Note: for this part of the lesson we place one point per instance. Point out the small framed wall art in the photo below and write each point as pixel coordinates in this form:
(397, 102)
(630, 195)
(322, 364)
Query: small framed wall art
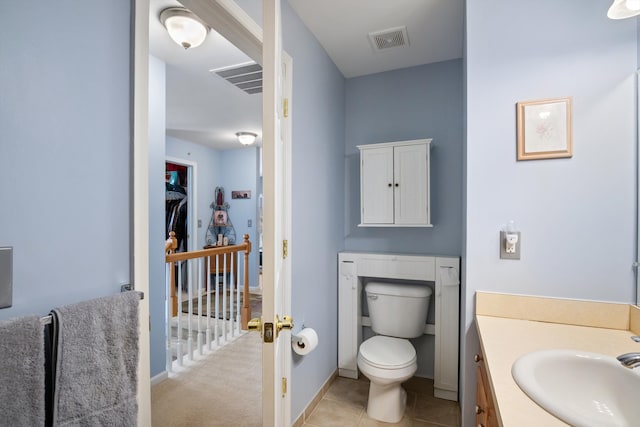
(544, 129)
(241, 194)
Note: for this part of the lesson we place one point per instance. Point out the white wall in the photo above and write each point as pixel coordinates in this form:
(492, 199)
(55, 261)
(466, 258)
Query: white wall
(577, 215)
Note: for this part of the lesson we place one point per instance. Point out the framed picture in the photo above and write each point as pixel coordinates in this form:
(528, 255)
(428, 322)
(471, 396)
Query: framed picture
(241, 194)
(544, 129)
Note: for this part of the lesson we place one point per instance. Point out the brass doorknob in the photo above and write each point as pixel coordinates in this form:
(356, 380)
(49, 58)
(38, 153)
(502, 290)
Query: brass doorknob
(286, 323)
(255, 324)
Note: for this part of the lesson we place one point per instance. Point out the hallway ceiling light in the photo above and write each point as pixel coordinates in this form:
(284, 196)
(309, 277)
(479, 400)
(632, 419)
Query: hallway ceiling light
(184, 27)
(246, 138)
(621, 9)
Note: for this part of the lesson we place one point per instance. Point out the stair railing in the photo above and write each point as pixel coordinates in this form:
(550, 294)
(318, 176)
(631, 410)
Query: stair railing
(213, 277)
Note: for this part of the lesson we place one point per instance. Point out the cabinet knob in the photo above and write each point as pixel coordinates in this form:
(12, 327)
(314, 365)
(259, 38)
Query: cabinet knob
(479, 410)
(389, 184)
(480, 425)
(477, 358)
(397, 184)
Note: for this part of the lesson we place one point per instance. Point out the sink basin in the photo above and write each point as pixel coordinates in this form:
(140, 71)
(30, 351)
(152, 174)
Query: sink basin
(581, 388)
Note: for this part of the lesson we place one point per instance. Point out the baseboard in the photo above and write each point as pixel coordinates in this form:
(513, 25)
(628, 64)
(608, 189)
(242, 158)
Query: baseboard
(157, 379)
(306, 413)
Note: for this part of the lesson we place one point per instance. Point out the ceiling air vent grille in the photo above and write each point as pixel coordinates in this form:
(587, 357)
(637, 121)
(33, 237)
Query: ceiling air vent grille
(247, 77)
(391, 37)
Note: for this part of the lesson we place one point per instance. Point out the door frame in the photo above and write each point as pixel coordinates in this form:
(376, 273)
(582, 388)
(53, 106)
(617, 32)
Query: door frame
(192, 202)
(140, 197)
(232, 22)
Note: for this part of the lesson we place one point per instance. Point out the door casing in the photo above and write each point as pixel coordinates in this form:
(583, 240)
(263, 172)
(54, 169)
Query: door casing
(235, 25)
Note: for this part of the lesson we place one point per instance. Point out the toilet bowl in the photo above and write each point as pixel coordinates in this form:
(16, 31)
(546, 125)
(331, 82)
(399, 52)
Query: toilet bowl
(397, 312)
(387, 362)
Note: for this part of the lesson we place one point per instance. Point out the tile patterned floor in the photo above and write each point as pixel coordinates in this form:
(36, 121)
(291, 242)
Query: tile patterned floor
(345, 405)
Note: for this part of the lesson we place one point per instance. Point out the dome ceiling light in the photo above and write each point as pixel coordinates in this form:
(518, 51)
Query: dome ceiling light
(184, 27)
(621, 9)
(246, 138)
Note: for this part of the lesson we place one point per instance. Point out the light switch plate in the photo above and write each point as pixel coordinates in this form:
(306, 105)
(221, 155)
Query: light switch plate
(503, 252)
(6, 277)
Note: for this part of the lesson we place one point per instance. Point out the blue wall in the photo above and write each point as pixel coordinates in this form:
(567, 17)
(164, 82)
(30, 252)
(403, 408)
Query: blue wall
(157, 278)
(65, 150)
(240, 172)
(577, 216)
(411, 103)
(318, 115)
(209, 170)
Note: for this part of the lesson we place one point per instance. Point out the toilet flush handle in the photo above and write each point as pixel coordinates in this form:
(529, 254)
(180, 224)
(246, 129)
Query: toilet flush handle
(373, 296)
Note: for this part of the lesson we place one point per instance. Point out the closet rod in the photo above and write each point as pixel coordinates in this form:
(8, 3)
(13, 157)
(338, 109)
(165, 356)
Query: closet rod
(46, 320)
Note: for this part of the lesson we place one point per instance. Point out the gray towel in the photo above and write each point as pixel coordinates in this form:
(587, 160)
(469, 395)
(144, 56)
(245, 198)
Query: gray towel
(22, 372)
(97, 361)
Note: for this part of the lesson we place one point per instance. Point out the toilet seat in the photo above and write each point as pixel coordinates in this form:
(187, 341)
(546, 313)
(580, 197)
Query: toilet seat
(384, 352)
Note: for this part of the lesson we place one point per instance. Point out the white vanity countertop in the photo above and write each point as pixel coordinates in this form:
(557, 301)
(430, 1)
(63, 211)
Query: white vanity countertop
(510, 326)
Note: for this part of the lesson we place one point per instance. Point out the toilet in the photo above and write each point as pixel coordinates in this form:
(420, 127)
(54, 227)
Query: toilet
(397, 312)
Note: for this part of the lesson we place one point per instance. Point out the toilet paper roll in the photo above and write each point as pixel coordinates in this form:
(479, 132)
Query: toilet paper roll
(305, 341)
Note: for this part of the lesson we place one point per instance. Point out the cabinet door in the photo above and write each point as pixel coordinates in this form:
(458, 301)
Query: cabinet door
(411, 184)
(376, 185)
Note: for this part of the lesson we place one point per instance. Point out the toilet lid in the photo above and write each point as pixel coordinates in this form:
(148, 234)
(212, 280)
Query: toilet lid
(388, 352)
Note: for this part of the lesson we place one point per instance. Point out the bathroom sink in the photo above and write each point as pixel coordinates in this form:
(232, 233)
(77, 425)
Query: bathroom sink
(580, 388)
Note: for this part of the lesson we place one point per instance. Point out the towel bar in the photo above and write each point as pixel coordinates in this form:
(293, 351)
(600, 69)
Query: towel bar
(46, 320)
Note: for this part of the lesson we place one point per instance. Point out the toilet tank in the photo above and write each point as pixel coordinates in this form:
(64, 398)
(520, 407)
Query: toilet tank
(398, 310)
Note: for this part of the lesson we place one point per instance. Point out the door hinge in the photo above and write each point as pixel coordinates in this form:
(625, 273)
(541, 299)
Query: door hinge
(285, 249)
(284, 386)
(285, 107)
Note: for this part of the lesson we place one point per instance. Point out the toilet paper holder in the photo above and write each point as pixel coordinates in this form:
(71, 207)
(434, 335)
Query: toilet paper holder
(304, 341)
(294, 335)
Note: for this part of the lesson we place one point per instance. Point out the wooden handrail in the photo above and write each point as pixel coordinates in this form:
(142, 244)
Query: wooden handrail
(202, 253)
(171, 258)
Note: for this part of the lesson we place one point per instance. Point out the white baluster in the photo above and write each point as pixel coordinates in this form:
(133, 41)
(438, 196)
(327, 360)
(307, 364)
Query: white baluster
(208, 275)
(199, 263)
(190, 310)
(217, 304)
(224, 297)
(231, 298)
(238, 287)
(179, 304)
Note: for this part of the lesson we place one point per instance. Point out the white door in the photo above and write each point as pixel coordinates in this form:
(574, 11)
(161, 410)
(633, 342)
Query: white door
(376, 185)
(411, 180)
(237, 27)
(276, 160)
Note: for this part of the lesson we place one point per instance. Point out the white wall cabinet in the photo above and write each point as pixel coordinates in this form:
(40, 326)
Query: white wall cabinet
(394, 184)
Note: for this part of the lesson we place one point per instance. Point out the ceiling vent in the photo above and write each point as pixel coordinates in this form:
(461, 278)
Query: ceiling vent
(247, 76)
(391, 37)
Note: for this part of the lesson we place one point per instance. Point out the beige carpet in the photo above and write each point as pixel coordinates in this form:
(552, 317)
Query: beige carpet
(223, 389)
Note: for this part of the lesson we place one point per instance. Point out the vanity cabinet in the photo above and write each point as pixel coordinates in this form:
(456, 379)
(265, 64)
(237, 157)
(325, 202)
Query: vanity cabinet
(485, 409)
(394, 184)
